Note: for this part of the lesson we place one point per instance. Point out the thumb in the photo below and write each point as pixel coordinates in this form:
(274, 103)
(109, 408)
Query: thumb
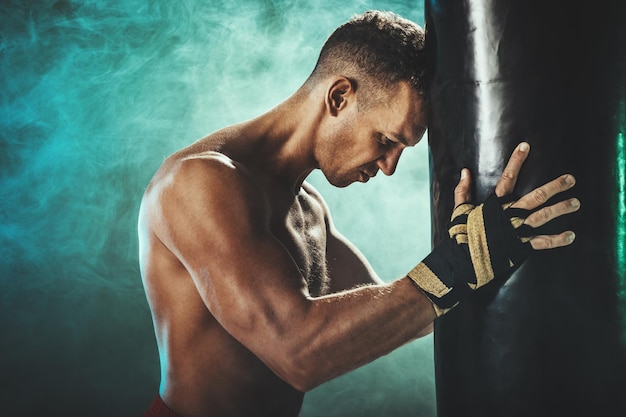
(462, 190)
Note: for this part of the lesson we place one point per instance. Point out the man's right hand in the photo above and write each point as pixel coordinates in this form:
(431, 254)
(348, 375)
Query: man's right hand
(493, 238)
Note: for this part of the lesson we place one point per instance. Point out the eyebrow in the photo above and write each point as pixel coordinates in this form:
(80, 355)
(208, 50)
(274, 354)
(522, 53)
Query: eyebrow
(400, 138)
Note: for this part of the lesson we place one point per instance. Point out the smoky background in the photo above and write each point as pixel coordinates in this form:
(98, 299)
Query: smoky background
(94, 95)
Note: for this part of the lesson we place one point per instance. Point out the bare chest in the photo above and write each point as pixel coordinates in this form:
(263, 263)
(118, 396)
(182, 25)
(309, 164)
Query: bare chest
(301, 228)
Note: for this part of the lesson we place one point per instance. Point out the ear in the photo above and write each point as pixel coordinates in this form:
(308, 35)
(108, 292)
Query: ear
(340, 94)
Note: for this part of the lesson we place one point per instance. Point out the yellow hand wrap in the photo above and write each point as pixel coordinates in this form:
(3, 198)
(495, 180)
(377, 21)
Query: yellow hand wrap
(484, 242)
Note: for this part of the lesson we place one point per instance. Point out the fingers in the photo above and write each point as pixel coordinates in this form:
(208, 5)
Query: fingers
(549, 213)
(542, 194)
(508, 179)
(552, 241)
(546, 214)
(462, 190)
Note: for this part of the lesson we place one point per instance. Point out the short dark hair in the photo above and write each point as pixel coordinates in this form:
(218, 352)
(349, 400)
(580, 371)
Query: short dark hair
(379, 47)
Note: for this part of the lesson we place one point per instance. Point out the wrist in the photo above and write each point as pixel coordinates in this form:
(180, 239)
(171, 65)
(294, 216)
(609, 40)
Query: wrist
(443, 275)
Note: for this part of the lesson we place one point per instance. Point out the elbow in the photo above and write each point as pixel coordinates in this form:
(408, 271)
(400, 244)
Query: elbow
(301, 378)
(295, 352)
(301, 373)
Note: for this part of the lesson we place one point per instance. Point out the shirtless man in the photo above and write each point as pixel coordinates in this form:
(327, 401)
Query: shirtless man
(256, 298)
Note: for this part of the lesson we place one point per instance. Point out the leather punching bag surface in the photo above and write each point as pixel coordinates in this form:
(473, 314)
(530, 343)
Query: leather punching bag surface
(549, 341)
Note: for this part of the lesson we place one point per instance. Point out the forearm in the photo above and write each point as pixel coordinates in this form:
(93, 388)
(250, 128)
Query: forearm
(340, 332)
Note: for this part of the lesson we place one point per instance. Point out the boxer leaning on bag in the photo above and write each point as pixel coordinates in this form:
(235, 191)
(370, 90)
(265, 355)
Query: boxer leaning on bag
(256, 297)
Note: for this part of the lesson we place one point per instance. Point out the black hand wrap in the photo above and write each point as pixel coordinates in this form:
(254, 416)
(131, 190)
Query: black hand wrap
(485, 242)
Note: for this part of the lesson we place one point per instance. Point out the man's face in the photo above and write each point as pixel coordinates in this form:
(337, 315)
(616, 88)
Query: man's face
(364, 142)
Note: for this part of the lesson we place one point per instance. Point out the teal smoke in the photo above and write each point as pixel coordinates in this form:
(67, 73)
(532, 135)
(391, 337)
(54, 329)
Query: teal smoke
(93, 95)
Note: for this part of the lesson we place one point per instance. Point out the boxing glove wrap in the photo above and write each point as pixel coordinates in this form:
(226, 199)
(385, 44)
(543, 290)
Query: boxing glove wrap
(485, 242)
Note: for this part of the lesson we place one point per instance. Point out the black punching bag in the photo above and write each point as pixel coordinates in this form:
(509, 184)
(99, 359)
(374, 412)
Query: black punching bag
(549, 341)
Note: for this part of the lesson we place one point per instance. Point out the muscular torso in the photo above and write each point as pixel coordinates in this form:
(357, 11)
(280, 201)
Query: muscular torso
(205, 370)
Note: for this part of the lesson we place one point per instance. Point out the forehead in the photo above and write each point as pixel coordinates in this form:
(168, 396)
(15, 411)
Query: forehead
(405, 113)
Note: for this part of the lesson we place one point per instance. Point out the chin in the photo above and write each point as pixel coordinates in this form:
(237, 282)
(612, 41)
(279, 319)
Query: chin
(341, 182)
(338, 181)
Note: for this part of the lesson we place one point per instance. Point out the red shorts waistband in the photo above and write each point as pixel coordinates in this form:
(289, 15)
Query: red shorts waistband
(159, 409)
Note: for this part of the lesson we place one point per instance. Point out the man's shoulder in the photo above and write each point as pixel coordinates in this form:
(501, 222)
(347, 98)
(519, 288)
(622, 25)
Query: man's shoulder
(209, 171)
(205, 179)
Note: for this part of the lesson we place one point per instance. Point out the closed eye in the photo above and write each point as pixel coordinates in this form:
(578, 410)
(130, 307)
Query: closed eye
(385, 140)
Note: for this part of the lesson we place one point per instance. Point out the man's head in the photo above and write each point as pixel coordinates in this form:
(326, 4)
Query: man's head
(371, 72)
(375, 50)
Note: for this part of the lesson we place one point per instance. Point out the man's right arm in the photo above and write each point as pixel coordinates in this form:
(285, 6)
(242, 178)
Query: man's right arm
(216, 222)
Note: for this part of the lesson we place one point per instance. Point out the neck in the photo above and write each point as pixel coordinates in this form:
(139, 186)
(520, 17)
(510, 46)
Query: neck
(281, 142)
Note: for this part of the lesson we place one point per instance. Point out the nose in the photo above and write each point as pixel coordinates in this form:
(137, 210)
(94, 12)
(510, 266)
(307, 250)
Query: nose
(389, 160)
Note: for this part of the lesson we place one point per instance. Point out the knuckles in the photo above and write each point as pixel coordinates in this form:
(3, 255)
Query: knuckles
(545, 214)
(542, 242)
(508, 175)
(540, 196)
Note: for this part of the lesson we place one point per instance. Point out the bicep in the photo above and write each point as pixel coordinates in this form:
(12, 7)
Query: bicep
(219, 229)
(250, 284)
